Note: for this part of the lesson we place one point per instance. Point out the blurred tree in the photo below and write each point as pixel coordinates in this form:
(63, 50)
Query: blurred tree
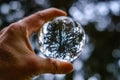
(102, 29)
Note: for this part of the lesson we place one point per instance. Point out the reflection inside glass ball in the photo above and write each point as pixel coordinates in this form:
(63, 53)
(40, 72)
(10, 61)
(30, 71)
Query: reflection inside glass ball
(61, 38)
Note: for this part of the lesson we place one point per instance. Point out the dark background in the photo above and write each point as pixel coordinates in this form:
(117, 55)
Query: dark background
(101, 21)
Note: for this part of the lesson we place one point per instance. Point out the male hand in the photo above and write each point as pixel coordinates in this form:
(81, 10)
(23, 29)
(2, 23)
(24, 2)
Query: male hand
(18, 60)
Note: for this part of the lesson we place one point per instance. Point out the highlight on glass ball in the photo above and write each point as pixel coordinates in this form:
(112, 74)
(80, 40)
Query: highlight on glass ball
(62, 38)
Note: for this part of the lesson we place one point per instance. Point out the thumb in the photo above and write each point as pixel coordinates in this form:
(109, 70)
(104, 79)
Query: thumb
(34, 22)
(48, 65)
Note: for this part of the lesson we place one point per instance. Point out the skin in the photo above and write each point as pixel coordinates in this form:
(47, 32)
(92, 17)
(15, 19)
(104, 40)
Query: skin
(18, 61)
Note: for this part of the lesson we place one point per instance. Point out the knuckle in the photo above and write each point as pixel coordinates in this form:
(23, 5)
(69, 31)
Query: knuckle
(54, 66)
(40, 15)
(12, 28)
(3, 30)
(15, 28)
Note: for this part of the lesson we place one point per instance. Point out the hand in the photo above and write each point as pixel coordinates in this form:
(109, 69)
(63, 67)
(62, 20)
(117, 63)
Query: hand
(18, 61)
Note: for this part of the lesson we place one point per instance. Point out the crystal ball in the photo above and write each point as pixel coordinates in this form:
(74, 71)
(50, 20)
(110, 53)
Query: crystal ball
(61, 38)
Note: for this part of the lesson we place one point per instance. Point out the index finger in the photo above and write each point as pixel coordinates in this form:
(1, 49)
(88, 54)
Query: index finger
(34, 22)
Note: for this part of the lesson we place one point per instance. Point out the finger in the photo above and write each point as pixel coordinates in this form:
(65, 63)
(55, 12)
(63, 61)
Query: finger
(34, 22)
(3, 30)
(42, 65)
(56, 66)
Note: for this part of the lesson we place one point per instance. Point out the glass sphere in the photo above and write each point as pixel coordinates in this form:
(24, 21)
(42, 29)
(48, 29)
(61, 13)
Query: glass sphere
(61, 38)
